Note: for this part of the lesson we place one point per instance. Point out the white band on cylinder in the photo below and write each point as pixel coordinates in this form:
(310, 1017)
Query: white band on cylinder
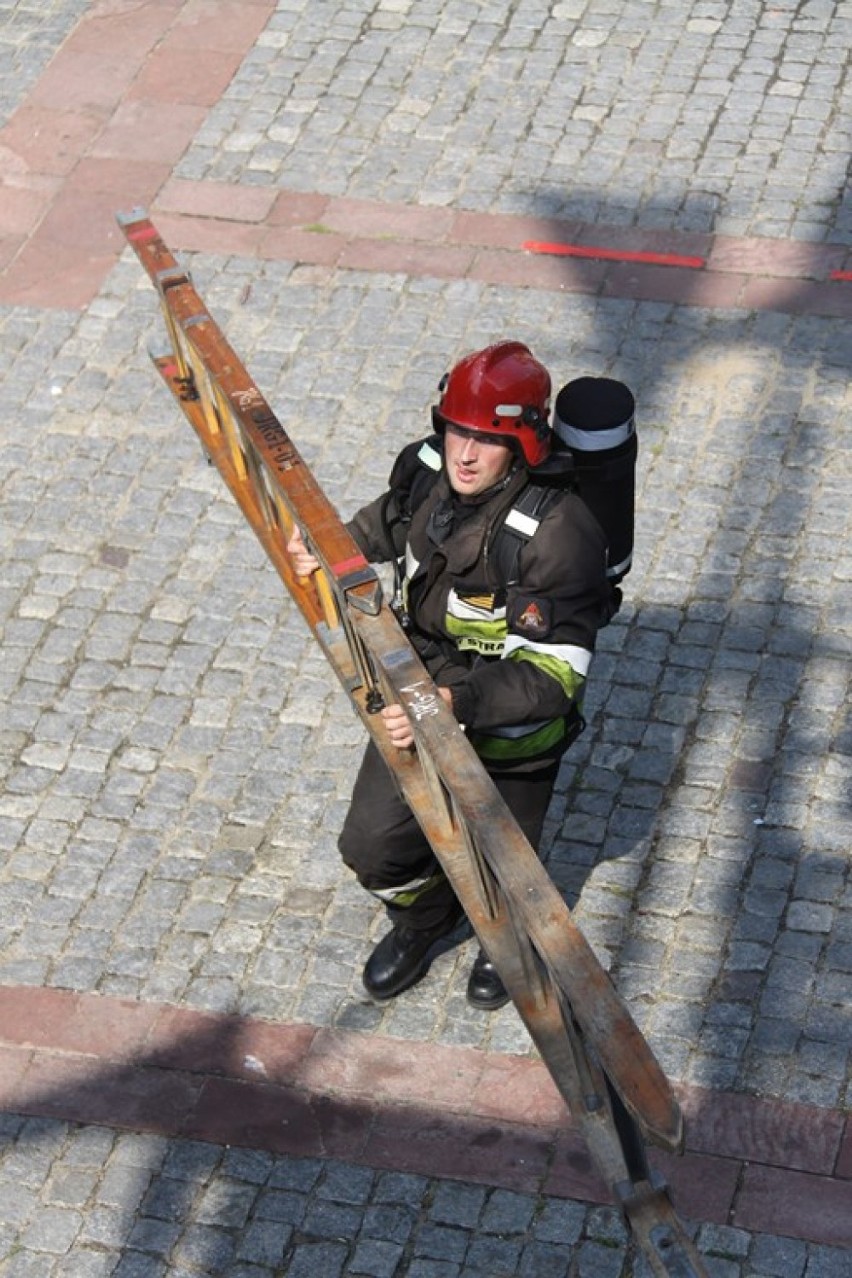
(593, 441)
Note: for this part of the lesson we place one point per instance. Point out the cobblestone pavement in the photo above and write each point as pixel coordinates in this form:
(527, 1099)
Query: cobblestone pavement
(699, 116)
(85, 1202)
(180, 762)
(30, 33)
(177, 763)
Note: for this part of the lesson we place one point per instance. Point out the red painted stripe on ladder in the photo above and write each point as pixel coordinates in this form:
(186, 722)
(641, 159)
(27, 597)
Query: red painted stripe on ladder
(348, 565)
(146, 232)
(840, 275)
(614, 255)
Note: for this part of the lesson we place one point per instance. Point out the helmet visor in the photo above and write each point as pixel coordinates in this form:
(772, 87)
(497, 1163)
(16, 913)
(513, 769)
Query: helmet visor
(440, 424)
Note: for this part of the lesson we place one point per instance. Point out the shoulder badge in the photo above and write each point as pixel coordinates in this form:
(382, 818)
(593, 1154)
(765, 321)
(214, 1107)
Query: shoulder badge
(532, 617)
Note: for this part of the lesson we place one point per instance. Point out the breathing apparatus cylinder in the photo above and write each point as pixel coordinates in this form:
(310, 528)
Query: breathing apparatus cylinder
(594, 421)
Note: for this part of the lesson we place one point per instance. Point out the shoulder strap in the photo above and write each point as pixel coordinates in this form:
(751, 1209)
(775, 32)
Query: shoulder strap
(519, 526)
(415, 471)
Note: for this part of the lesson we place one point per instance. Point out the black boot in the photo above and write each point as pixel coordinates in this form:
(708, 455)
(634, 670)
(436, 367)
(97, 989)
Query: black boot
(399, 960)
(484, 987)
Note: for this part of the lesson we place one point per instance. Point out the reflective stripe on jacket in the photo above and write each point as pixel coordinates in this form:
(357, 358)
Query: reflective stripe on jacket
(515, 653)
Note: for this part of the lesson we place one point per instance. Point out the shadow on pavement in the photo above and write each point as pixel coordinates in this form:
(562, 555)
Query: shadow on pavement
(697, 828)
(684, 828)
(187, 1163)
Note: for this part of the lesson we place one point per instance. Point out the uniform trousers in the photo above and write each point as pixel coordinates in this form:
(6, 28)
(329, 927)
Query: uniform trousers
(382, 842)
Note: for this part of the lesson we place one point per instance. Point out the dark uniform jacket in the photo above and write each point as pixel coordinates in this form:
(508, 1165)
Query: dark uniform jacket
(514, 645)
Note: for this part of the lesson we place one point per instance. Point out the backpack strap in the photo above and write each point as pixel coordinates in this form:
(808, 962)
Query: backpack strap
(519, 526)
(414, 473)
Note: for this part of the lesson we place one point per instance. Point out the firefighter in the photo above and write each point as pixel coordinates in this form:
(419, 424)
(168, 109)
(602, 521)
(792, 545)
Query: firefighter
(506, 628)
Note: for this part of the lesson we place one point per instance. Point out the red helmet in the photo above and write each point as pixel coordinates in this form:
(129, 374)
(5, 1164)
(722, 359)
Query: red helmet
(504, 392)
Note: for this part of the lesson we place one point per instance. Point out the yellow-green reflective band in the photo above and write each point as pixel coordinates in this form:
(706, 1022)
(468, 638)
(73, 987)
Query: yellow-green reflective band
(486, 647)
(407, 893)
(579, 658)
(499, 749)
(566, 676)
(489, 632)
(485, 637)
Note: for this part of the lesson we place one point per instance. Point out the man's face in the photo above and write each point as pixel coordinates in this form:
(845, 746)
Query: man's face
(474, 463)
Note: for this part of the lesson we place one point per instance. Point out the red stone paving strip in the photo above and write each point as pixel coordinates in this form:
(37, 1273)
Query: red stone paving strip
(117, 107)
(344, 233)
(103, 126)
(294, 1089)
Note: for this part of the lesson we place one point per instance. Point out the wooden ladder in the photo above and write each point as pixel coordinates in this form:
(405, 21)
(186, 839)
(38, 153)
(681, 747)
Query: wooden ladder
(616, 1092)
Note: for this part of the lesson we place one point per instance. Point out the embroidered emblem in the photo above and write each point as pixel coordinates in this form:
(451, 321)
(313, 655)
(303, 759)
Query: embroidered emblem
(531, 618)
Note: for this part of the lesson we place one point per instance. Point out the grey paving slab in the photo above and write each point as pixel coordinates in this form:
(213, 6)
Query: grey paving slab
(90, 1202)
(31, 31)
(699, 116)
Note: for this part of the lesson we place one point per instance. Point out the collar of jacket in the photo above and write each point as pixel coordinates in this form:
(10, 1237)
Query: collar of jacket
(465, 545)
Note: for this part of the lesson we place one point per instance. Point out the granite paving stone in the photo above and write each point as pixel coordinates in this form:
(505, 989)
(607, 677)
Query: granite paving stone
(688, 82)
(406, 1226)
